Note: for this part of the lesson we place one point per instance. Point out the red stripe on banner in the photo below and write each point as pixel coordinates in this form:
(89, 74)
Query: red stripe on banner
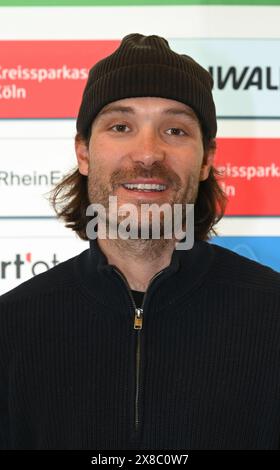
(251, 169)
(45, 79)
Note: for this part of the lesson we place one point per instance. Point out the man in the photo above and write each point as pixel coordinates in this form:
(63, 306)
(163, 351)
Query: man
(135, 344)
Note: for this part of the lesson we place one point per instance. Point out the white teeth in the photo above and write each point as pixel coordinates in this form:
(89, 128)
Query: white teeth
(153, 187)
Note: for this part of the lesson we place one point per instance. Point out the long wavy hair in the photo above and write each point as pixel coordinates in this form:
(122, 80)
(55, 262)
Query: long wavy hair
(70, 200)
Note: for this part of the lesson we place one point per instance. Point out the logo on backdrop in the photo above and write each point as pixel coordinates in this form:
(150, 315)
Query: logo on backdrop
(25, 265)
(245, 71)
(12, 178)
(245, 78)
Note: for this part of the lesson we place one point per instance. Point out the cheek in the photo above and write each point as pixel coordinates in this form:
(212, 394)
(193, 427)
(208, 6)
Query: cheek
(102, 161)
(103, 147)
(188, 164)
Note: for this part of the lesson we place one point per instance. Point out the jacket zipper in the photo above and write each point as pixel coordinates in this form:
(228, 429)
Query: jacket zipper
(138, 324)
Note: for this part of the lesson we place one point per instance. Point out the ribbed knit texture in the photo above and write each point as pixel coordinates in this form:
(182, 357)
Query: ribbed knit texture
(209, 357)
(146, 66)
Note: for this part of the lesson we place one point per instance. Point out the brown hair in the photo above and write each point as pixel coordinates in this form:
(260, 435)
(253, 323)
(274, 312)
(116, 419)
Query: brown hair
(70, 198)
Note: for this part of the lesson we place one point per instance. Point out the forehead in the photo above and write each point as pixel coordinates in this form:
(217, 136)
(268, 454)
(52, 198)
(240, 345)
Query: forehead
(148, 105)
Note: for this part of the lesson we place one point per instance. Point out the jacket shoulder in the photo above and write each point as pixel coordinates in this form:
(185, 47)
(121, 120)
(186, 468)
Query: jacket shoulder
(59, 277)
(239, 270)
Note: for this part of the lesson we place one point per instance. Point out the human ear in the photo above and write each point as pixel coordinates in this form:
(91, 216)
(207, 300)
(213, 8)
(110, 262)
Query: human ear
(82, 154)
(207, 164)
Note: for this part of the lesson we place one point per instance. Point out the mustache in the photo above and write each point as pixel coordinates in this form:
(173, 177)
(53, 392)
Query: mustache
(122, 175)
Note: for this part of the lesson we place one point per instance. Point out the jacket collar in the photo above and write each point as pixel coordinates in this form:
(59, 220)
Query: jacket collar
(186, 271)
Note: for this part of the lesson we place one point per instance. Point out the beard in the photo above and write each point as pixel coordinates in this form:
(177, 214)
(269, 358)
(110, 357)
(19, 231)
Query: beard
(101, 188)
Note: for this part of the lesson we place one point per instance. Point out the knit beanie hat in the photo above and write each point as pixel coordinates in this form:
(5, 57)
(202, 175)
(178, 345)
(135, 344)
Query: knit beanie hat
(146, 66)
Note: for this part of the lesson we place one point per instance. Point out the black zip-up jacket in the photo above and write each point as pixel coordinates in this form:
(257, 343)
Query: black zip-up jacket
(196, 367)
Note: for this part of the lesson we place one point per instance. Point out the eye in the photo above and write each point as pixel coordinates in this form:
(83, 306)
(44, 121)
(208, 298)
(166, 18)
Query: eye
(119, 127)
(176, 129)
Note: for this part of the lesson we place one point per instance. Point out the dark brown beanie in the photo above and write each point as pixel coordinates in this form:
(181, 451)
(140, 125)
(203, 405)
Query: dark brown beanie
(146, 66)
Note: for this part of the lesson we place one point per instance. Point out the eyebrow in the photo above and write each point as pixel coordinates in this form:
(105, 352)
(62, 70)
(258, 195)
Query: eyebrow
(128, 110)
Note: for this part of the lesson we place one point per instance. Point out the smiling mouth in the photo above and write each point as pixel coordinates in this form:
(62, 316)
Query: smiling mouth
(145, 187)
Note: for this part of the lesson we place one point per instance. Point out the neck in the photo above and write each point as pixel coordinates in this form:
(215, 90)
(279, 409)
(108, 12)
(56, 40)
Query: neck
(138, 260)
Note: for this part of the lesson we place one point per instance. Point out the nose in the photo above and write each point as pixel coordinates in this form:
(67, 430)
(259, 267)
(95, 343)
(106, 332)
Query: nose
(148, 147)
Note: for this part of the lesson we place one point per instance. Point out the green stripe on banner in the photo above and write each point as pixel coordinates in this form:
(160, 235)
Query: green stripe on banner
(134, 2)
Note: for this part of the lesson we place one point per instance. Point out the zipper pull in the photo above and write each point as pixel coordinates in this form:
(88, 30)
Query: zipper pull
(138, 319)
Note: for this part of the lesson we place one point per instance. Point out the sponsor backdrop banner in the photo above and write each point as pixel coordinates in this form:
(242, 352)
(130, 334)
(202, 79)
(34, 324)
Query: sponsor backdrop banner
(246, 75)
(43, 69)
